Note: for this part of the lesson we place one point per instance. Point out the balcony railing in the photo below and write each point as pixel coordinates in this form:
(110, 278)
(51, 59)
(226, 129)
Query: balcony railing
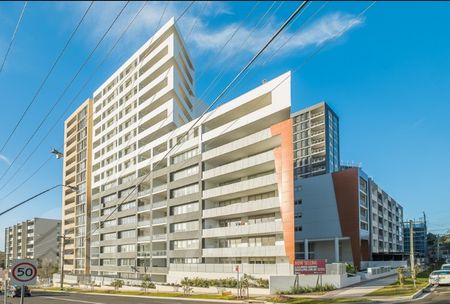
(159, 253)
(162, 220)
(159, 204)
(144, 192)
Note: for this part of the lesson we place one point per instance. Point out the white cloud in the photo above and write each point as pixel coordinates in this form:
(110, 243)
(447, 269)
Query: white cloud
(206, 38)
(5, 159)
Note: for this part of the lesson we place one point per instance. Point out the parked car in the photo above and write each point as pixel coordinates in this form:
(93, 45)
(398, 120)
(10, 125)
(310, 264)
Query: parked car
(445, 267)
(439, 277)
(15, 291)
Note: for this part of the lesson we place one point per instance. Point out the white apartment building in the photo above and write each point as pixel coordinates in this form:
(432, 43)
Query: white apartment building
(33, 239)
(222, 197)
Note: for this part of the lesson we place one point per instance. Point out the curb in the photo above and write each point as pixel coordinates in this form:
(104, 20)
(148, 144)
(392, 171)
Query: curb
(147, 297)
(420, 292)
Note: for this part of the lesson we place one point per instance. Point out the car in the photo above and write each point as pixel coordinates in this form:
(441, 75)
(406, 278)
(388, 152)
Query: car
(14, 291)
(439, 277)
(445, 267)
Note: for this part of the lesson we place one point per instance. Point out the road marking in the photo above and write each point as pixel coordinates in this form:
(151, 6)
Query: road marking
(70, 300)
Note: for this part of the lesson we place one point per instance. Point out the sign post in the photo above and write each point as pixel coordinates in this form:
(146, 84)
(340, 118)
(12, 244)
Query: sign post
(23, 273)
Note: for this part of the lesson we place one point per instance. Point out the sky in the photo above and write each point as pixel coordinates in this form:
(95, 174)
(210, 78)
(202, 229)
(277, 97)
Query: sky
(383, 67)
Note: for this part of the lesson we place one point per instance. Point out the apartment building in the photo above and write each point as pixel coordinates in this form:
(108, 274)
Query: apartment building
(33, 239)
(77, 172)
(345, 216)
(316, 141)
(420, 242)
(221, 197)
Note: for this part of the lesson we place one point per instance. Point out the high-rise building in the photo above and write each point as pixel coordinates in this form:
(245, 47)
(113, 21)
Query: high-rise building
(33, 239)
(316, 141)
(172, 196)
(76, 209)
(345, 216)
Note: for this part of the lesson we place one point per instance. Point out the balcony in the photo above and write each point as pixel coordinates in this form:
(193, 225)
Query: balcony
(247, 207)
(144, 223)
(159, 221)
(279, 268)
(144, 238)
(263, 182)
(159, 253)
(160, 188)
(243, 230)
(159, 205)
(244, 251)
(143, 208)
(145, 192)
(159, 237)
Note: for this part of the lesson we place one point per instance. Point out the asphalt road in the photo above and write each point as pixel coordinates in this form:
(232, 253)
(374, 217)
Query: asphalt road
(441, 295)
(72, 298)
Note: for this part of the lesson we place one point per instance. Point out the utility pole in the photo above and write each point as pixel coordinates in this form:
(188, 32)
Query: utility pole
(438, 247)
(63, 245)
(411, 251)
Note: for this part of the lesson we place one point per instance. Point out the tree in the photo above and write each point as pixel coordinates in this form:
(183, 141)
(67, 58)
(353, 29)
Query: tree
(147, 283)
(187, 289)
(117, 284)
(46, 268)
(401, 276)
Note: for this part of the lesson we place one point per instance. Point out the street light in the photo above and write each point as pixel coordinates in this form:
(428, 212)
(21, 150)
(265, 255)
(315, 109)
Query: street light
(57, 153)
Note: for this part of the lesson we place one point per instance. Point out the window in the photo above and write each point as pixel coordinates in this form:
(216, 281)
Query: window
(298, 202)
(184, 173)
(185, 261)
(230, 243)
(186, 190)
(185, 226)
(298, 228)
(127, 248)
(108, 249)
(127, 206)
(127, 220)
(183, 156)
(185, 244)
(109, 198)
(109, 223)
(108, 236)
(261, 218)
(186, 208)
(127, 234)
(261, 241)
(261, 196)
(261, 260)
(127, 262)
(108, 262)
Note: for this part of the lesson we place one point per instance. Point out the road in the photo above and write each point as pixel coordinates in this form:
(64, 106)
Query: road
(72, 298)
(441, 295)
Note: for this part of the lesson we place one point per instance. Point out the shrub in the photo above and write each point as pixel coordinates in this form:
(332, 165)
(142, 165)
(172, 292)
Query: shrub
(146, 284)
(117, 284)
(300, 290)
(227, 282)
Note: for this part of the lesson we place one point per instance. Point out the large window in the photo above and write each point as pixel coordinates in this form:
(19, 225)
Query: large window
(185, 155)
(261, 218)
(109, 236)
(185, 244)
(230, 243)
(127, 220)
(185, 226)
(127, 206)
(261, 241)
(127, 248)
(186, 190)
(127, 234)
(108, 249)
(184, 173)
(186, 208)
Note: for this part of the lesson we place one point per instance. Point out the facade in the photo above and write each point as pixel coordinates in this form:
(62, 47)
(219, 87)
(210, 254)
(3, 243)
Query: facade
(222, 197)
(2, 260)
(340, 217)
(316, 141)
(76, 207)
(33, 239)
(419, 237)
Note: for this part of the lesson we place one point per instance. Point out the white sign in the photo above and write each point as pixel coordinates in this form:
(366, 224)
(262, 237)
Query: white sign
(23, 272)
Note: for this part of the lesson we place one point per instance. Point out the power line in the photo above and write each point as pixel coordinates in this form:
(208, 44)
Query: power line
(46, 77)
(13, 36)
(225, 90)
(64, 91)
(79, 92)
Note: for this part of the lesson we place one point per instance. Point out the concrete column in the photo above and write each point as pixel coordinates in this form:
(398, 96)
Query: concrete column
(336, 250)
(306, 249)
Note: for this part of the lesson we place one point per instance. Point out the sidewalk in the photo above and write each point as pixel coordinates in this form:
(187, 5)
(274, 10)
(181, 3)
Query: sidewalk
(361, 289)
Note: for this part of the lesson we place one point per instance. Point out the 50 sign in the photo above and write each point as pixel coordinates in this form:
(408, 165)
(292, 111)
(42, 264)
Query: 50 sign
(23, 272)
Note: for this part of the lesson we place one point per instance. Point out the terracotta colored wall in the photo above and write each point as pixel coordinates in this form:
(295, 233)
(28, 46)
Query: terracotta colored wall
(284, 166)
(346, 191)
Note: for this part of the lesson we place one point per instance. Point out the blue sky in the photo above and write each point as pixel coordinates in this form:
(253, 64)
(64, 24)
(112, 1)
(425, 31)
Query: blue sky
(385, 73)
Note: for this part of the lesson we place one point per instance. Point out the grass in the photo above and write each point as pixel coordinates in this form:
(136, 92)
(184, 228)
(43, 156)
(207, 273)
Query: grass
(395, 290)
(149, 293)
(284, 299)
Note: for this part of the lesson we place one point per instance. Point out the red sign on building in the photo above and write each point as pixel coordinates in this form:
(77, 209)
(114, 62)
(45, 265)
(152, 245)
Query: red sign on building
(309, 267)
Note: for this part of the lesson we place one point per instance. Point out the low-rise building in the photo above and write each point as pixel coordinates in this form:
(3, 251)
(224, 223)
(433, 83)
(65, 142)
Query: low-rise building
(33, 239)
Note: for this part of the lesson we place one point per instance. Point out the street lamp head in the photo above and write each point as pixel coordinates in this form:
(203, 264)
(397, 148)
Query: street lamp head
(73, 188)
(57, 153)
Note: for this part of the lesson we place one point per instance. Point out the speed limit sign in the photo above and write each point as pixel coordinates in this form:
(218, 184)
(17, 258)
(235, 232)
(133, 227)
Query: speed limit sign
(23, 272)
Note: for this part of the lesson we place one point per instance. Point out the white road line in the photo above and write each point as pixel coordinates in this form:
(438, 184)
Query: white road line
(70, 300)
